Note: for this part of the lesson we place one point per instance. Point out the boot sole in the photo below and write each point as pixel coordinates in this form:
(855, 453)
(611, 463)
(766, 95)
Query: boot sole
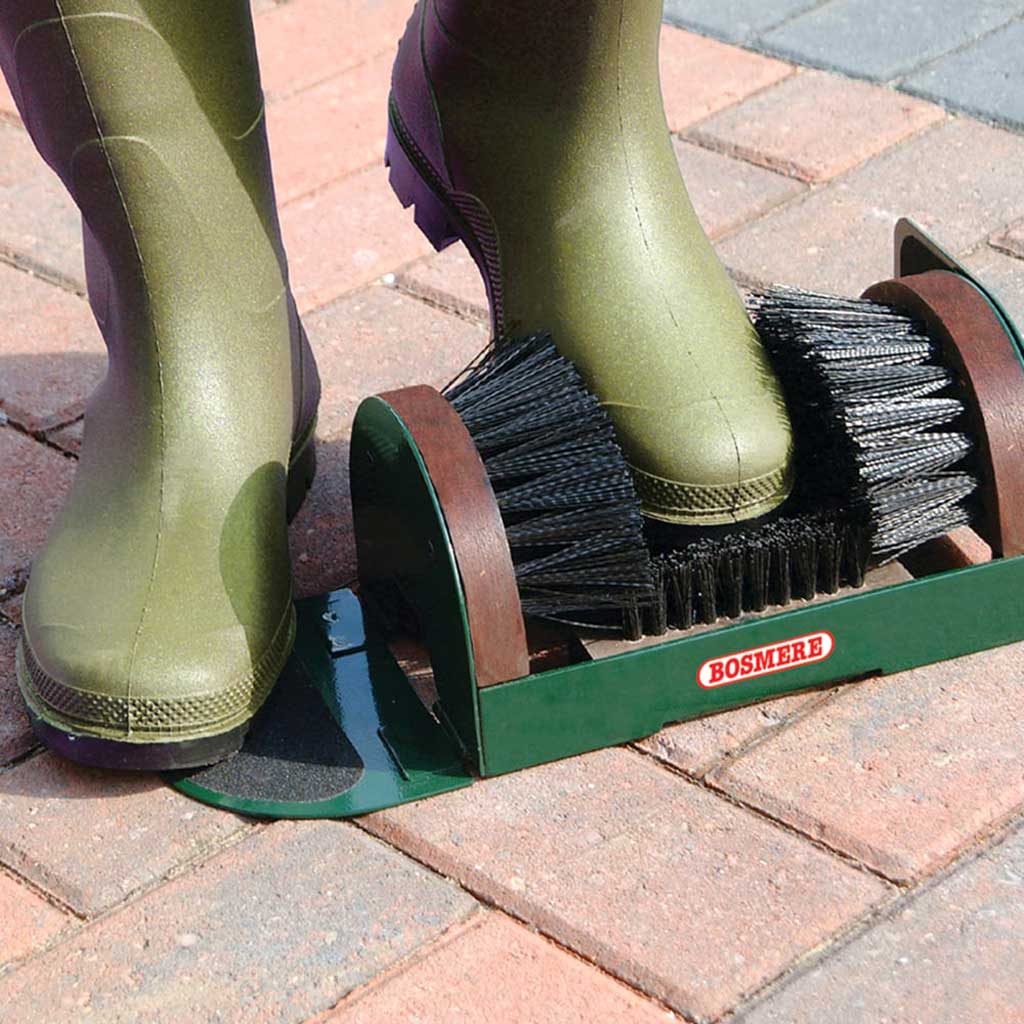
(416, 184)
(94, 751)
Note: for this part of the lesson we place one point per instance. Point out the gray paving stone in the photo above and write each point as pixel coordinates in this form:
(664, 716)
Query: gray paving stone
(734, 20)
(986, 79)
(950, 956)
(882, 40)
(1004, 275)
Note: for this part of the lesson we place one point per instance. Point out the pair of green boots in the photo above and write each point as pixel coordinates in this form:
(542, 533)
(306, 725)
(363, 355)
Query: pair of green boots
(159, 613)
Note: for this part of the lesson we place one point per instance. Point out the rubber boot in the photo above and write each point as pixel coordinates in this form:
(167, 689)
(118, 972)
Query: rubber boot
(159, 614)
(534, 130)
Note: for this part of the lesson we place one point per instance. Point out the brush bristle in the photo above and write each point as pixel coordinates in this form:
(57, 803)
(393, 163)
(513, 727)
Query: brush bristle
(562, 484)
(875, 412)
(881, 465)
(750, 568)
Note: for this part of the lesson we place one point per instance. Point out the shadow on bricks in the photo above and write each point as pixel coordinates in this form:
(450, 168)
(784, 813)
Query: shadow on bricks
(43, 390)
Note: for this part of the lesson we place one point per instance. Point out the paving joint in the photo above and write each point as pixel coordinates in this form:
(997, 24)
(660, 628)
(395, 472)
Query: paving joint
(708, 786)
(83, 922)
(48, 897)
(750, 155)
(815, 188)
(20, 759)
(38, 435)
(817, 699)
(967, 44)
(40, 271)
(886, 910)
(757, 42)
(993, 243)
(472, 922)
(488, 902)
(435, 300)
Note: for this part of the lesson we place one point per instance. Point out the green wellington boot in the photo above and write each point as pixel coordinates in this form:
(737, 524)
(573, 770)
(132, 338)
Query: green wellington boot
(159, 613)
(534, 131)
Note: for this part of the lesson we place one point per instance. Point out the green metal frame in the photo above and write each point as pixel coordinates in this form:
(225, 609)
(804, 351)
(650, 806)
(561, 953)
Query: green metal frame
(403, 542)
(634, 694)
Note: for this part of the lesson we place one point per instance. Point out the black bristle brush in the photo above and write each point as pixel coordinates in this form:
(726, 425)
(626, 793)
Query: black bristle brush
(562, 485)
(881, 465)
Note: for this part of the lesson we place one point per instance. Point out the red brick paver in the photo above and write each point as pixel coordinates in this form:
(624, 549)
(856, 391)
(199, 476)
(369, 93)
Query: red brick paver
(659, 882)
(814, 125)
(28, 921)
(278, 928)
(15, 731)
(33, 482)
(305, 42)
(374, 340)
(91, 838)
(346, 236)
(957, 180)
(379, 339)
(649, 881)
(51, 353)
(900, 773)
(497, 970)
(950, 957)
(330, 130)
(701, 76)
(729, 193)
(39, 225)
(1004, 275)
(7, 107)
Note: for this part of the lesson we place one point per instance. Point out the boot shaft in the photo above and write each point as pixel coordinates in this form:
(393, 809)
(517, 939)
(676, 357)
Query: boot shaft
(573, 45)
(152, 115)
(542, 125)
(151, 112)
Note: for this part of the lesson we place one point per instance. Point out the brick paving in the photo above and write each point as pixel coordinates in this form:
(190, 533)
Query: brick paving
(961, 55)
(852, 855)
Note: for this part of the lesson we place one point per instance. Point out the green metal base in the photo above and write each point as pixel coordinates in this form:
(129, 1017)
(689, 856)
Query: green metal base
(408, 754)
(365, 704)
(634, 694)
(404, 551)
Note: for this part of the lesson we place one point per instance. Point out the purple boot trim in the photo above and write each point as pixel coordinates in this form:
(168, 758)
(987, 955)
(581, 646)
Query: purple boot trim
(431, 215)
(448, 219)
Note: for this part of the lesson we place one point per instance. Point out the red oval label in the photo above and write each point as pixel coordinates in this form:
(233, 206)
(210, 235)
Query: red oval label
(730, 669)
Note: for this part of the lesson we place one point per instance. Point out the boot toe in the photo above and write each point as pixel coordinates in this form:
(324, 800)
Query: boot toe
(84, 680)
(711, 463)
